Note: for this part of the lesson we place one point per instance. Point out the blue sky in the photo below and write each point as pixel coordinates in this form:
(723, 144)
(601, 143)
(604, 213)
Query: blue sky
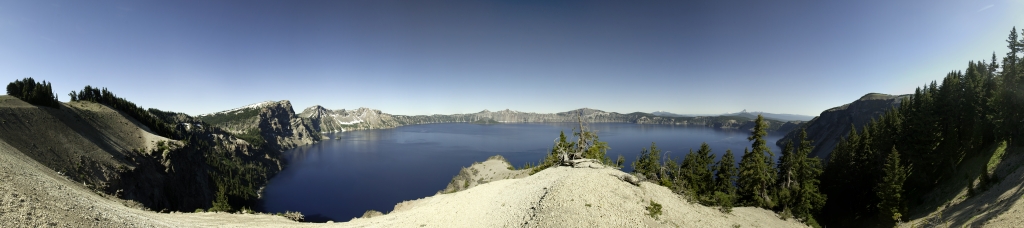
(444, 57)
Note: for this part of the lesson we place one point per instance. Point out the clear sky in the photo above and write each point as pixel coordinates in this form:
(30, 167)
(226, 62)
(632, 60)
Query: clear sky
(445, 57)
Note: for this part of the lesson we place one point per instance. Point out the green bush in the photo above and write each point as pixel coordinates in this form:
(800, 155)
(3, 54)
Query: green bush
(724, 201)
(654, 210)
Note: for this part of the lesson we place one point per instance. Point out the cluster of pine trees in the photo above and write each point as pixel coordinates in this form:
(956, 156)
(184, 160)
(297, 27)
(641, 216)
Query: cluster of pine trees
(910, 149)
(37, 93)
(789, 186)
(105, 97)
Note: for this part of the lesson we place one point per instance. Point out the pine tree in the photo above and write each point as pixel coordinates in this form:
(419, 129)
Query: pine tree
(890, 190)
(36, 93)
(647, 163)
(702, 173)
(672, 178)
(725, 173)
(807, 198)
(756, 174)
(787, 180)
(1010, 103)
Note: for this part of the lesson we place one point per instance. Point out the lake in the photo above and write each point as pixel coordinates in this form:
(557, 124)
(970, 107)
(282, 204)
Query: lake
(342, 177)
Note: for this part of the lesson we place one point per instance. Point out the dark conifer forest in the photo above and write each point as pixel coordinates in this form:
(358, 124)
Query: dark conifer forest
(876, 173)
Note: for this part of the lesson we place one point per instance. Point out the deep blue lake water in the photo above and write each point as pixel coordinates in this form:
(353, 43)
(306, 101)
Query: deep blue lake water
(342, 177)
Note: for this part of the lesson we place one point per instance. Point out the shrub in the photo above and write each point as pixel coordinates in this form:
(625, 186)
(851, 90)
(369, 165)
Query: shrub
(294, 216)
(371, 214)
(724, 201)
(654, 210)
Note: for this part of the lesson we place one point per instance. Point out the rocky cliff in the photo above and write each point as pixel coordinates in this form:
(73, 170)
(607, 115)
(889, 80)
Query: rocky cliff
(275, 121)
(827, 129)
(325, 120)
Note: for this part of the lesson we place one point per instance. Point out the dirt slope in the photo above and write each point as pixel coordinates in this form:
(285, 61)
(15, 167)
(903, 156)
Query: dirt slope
(82, 139)
(33, 195)
(1001, 205)
(566, 197)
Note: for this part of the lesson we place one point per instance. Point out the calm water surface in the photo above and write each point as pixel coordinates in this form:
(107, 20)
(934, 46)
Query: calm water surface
(340, 178)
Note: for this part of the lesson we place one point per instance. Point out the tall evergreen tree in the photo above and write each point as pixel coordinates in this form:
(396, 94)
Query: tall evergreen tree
(807, 197)
(725, 173)
(756, 173)
(703, 172)
(890, 189)
(1010, 102)
(698, 172)
(787, 177)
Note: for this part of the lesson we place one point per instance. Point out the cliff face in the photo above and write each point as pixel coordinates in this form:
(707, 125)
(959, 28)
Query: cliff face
(833, 124)
(282, 129)
(325, 120)
(276, 121)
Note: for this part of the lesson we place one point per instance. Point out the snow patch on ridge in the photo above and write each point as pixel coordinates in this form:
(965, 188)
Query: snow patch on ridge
(250, 106)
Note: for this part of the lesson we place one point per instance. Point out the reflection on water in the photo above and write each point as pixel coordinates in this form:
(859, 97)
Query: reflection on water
(341, 178)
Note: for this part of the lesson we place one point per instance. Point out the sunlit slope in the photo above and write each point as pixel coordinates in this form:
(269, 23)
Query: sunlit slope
(970, 200)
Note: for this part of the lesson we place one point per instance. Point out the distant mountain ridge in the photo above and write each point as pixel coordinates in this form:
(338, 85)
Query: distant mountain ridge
(744, 113)
(326, 120)
(774, 116)
(669, 114)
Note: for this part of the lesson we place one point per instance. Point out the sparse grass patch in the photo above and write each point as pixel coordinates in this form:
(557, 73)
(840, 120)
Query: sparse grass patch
(997, 156)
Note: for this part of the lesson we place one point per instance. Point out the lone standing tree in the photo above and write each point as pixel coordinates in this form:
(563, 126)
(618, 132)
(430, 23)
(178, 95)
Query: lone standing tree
(587, 145)
(756, 172)
(890, 190)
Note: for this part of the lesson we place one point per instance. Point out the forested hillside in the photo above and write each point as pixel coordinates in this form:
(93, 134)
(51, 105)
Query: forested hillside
(879, 172)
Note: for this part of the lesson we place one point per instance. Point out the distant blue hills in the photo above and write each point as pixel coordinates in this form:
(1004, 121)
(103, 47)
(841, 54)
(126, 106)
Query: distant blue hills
(744, 113)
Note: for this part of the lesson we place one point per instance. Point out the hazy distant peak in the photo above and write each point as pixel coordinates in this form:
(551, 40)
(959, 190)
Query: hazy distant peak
(774, 116)
(669, 114)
